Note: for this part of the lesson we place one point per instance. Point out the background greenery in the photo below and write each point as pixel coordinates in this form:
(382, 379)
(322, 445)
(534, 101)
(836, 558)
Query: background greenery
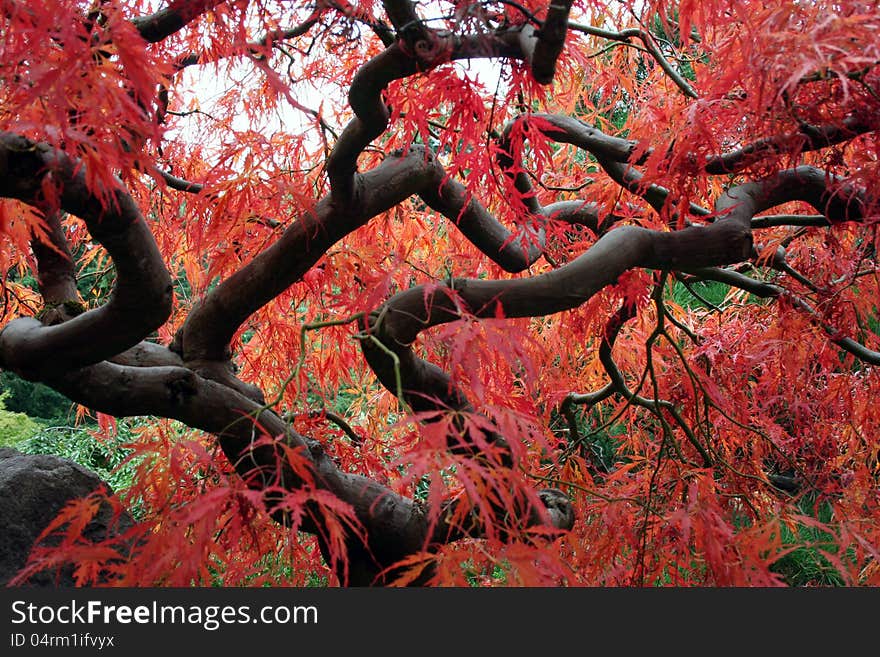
(34, 419)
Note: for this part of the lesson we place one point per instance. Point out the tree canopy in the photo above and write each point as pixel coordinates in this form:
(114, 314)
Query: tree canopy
(455, 292)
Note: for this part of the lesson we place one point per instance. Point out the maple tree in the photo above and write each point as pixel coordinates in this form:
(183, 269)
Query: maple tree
(416, 293)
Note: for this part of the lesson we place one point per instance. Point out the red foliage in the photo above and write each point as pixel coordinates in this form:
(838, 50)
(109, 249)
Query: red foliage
(760, 389)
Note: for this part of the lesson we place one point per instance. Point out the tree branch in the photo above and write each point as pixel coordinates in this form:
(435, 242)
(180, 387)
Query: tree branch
(173, 18)
(210, 326)
(625, 36)
(771, 291)
(141, 300)
(551, 39)
(56, 276)
(394, 526)
(805, 138)
(397, 323)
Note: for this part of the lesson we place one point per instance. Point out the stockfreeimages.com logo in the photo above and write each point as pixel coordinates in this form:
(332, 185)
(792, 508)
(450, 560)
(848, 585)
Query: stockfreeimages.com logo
(210, 617)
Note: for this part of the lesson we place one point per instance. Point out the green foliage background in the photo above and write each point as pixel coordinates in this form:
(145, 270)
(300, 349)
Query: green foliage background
(34, 419)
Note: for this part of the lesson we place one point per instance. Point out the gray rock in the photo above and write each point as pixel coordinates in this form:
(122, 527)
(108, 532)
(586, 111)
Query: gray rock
(33, 490)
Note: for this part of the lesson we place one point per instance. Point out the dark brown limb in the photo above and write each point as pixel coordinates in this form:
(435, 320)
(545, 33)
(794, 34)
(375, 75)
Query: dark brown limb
(173, 18)
(805, 138)
(56, 275)
(394, 526)
(141, 300)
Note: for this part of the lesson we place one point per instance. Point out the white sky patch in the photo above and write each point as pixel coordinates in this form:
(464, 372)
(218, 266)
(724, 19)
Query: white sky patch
(203, 88)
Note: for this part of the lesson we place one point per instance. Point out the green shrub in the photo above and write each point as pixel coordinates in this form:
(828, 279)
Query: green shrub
(34, 399)
(806, 565)
(103, 456)
(14, 427)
